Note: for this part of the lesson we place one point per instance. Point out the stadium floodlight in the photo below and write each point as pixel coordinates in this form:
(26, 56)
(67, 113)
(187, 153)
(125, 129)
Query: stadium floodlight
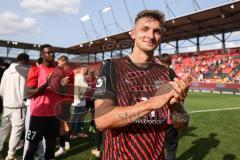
(106, 9)
(15, 43)
(232, 6)
(81, 45)
(85, 18)
(106, 39)
(109, 8)
(104, 25)
(129, 16)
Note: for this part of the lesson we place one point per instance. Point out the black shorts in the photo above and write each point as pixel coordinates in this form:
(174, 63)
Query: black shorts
(65, 113)
(39, 127)
(90, 105)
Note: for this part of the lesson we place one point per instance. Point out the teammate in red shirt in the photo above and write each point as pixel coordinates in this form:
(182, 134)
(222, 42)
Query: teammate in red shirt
(43, 110)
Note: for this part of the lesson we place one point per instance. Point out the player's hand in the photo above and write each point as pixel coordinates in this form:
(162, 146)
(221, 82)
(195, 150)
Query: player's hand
(180, 88)
(49, 78)
(65, 81)
(187, 80)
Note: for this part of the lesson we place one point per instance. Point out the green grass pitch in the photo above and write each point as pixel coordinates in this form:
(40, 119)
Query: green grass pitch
(211, 135)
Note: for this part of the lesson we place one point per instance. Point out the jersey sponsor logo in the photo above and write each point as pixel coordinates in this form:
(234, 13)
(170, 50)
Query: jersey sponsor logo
(100, 86)
(153, 114)
(143, 99)
(99, 82)
(144, 120)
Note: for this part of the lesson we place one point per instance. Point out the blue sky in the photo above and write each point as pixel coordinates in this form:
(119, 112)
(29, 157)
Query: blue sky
(57, 22)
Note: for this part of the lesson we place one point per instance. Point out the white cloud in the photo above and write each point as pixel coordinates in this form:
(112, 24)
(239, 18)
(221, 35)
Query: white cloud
(51, 6)
(11, 23)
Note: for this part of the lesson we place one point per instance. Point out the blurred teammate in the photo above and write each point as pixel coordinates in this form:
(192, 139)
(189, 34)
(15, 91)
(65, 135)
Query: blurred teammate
(41, 145)
(64, 74)
(79, 103)
(171, 132)
(43, 121)
(91, 80)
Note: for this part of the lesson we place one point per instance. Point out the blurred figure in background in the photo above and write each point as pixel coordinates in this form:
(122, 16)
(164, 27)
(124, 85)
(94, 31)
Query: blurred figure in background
(13, 86)
(79, 103)
(91, 80)
(64, 74)
(2, 69)
(171, 139)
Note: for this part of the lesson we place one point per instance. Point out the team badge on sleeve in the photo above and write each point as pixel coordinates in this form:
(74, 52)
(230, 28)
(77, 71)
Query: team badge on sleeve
(100, 86)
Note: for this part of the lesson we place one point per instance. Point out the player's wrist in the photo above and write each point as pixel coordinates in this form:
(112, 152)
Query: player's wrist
(151, 104)
(43, 87)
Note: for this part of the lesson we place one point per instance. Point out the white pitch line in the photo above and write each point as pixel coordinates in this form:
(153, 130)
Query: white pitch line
(214, 110)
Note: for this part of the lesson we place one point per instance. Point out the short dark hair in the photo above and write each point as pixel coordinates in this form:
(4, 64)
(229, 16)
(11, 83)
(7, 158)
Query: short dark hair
(1, 61)
(40, 60)
(22, 57)
(165, 58)
(45, 46)
(155, 14)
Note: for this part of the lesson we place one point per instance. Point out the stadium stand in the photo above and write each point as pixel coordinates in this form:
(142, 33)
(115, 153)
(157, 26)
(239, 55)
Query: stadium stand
(210, 66)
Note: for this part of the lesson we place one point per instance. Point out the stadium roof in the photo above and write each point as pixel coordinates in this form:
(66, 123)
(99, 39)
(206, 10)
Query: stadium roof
(28, 46)
(223, 18)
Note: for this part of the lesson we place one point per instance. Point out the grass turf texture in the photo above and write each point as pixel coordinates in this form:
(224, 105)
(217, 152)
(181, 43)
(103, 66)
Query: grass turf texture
(211, 135)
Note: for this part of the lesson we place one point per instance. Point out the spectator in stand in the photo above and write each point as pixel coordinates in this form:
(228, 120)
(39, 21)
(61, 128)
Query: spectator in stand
(13, 86)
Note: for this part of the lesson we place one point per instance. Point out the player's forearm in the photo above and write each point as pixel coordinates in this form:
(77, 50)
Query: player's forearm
(32, 92)
(109, 116)
(116, 116)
